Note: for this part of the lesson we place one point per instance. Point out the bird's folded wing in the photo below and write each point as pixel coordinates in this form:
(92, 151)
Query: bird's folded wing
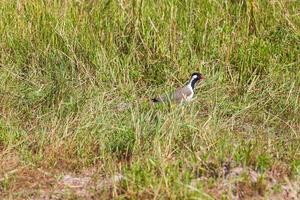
(181, 94)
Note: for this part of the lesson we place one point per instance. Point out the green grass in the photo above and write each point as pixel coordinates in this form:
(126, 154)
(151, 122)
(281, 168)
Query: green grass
(67, 69)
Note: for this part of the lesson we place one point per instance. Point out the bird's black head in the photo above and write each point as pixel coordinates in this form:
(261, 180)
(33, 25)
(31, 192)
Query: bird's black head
(195, 78)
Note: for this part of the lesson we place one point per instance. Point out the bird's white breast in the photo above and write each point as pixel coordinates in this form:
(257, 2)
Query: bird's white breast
(189, 98)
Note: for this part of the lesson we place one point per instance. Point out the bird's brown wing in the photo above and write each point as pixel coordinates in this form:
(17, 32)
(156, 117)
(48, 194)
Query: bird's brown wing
(181, 94)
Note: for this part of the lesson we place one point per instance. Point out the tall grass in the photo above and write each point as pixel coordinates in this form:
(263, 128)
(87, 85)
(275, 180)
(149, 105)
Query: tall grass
(76, 78)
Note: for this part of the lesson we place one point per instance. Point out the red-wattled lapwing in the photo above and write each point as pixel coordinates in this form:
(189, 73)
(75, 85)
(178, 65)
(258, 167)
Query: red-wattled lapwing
(182, 94)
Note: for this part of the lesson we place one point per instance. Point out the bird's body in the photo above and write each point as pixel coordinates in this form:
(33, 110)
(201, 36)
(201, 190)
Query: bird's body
(182, 94)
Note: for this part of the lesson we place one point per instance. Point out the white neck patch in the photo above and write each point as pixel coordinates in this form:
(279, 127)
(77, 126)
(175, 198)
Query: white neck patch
(194, 77)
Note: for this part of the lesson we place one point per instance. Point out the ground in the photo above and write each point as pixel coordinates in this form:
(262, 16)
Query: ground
(77, 122)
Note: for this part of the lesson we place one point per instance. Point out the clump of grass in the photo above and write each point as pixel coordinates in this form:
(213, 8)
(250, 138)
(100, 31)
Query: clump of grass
(76, 78)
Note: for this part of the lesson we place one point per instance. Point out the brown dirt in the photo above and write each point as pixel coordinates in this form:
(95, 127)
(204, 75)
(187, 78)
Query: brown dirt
(19, 181)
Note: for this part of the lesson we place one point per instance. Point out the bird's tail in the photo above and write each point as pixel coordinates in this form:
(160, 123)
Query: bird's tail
(155, 100)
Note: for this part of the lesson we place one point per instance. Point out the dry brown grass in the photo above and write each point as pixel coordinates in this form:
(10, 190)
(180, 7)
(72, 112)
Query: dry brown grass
(20, 181)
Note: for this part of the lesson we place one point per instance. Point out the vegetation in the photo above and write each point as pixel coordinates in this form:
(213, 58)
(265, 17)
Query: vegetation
(76, 78)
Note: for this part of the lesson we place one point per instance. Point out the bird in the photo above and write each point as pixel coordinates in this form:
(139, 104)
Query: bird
(182, 94)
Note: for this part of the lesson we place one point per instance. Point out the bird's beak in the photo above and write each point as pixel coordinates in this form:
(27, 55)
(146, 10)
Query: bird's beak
(203, 77)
